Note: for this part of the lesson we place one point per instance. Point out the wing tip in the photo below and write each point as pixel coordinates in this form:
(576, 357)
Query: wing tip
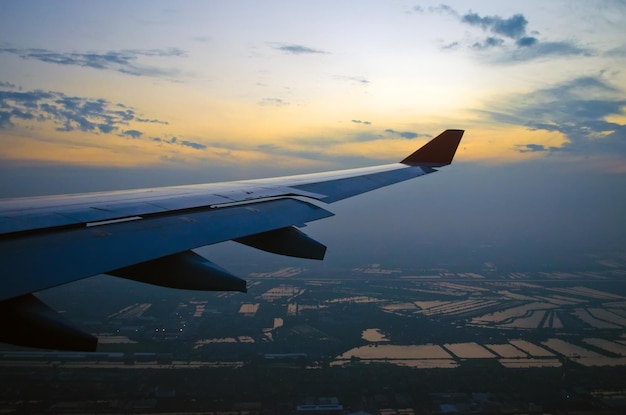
(437, 152)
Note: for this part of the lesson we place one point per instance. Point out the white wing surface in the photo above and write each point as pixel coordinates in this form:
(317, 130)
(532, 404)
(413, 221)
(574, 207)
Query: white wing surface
(147, 235)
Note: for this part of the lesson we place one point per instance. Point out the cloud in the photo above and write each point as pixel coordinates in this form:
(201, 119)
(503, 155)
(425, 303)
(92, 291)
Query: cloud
(196, 146)
(489, 42)
(514, 27)
(123, 61)
(443, 8)
(404, 134)
(177, 142)
(132, 133)
(8, 85)
(540, 49)
(451, 45)
(373, 136)
(357, 79)
(172, 159)
(361, 122)
(579, 109)
(138, 119)
(526, 41)
(202, 39)
(5, 119)
(508, 40)
(66, 113)
(619, 52)
(298, 49)
(276, 102)
(25, 109)
(533, 148)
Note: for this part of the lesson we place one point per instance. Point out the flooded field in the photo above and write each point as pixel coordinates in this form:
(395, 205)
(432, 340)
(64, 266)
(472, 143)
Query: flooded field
(503, 304)
(374, 336)
(395, 307)
(532, 320)
(112, 339)
(412, 363)
(613, 347)
(531, 349)
(199, 308)
(584, 315)
(132, 311)
(506, 350)
(583, 355)
(238, 339)
(248, 309)
(527, 316)
(516, 354)
(202, 342)
(588, 293)
(376, 269)
(356, 300)
(425, 351)
(443, 319)
(281, 292)
(523, 302)
(469, 351)
(286, 272)
(529, 363)
(609, 315)
(456, 307)
(462, 287)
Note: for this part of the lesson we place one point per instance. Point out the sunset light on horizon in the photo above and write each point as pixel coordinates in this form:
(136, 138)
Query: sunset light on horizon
(304, 86)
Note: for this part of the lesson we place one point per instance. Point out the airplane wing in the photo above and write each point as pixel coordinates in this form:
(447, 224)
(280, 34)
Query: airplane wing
(147, 235)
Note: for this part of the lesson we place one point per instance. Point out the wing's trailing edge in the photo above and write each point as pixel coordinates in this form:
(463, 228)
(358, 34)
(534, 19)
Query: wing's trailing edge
(147, 235)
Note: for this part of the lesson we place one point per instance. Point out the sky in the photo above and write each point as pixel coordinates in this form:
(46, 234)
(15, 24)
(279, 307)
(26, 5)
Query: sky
(111, 95)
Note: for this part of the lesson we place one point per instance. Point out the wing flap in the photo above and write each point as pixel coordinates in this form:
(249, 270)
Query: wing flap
(186, 270)
(286, 241)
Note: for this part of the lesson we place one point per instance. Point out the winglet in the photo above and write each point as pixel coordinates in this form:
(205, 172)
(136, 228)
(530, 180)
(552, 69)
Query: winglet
(437, 152)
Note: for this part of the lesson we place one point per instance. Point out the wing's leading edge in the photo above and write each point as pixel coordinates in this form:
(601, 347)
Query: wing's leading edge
(147, 235)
